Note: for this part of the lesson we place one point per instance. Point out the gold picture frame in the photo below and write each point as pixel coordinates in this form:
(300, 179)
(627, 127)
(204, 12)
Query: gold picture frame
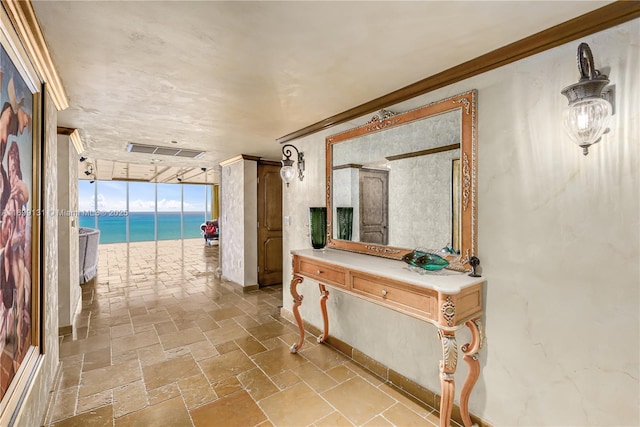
(456, 218)
(21, 212)
(467, 236)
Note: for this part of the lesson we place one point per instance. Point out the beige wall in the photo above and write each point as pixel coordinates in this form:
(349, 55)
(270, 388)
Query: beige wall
(238, 222)
(35, 401)
(69, 291)
(558, 241)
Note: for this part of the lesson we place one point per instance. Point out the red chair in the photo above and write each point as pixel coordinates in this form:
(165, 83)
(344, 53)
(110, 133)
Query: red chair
(210, 232)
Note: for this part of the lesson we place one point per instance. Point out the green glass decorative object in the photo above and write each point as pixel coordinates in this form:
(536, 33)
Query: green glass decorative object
(318, 227)
(448, 250)
(345, 223)
(425, 260)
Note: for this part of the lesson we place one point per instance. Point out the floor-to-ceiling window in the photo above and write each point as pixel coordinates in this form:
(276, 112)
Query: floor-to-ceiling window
(195, 208)
(169, 211)
(112, 211)
(142, 211)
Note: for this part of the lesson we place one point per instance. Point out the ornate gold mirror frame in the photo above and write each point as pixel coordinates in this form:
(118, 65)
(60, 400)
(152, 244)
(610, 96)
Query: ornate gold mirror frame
(466, 103)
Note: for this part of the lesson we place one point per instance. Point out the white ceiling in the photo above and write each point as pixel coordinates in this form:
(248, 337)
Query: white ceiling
(230, 77)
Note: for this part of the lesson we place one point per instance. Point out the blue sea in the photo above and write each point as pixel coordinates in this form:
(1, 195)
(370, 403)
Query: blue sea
(112, 225)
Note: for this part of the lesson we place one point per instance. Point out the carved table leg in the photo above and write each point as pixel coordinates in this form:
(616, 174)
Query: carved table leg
(297, 300)
(447, 369)
(324, 293)
(471, 357)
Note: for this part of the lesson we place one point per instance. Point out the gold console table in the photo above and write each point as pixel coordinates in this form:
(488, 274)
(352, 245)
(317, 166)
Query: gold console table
(447, 300)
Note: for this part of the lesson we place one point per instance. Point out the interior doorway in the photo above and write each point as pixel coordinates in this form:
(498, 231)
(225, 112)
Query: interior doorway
(374, 206)
(269, 223)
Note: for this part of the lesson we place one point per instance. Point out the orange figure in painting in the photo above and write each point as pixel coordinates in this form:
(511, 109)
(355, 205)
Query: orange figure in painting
(15, 316)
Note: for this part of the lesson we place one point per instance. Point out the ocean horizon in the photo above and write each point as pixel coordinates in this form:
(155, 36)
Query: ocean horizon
(112, 225)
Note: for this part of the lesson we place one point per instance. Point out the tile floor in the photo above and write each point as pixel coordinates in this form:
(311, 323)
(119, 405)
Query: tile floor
(162, 341)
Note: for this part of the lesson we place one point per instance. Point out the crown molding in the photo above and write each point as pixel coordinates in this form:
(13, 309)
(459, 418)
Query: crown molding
(239, 158)
(62, 130)
(24, 20)
(584, 25)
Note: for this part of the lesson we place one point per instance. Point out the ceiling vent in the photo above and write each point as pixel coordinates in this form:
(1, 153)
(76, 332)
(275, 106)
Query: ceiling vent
(163, 151)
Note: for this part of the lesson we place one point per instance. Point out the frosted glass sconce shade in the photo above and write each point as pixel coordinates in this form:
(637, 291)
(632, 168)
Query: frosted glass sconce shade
(287, 172)
(586, 118)
(586, 121)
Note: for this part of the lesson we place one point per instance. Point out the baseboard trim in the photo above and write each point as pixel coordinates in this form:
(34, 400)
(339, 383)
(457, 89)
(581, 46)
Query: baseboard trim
(48, 412)
(65, 330)
(250, 288)
(238, 286)
(395, 379)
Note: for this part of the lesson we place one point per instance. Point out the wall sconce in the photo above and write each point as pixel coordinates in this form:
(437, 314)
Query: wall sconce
(587, 116)
(287, 173)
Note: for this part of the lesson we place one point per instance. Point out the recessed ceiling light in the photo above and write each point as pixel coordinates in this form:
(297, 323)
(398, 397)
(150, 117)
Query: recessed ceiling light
(155, 160)
(174, 142)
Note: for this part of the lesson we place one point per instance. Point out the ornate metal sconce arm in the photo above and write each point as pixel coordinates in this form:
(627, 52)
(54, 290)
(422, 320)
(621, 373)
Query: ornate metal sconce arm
(287, 164)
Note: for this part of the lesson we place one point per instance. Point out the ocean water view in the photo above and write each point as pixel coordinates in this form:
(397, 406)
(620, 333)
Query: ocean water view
(113, 225)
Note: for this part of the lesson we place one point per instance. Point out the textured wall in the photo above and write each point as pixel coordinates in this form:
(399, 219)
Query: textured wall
(69, 291)
(238, 231)
(559, 238)
(436, 131)
(412, 222)
(32, 410)
(250, 192)
(74, 246)
(232, 226)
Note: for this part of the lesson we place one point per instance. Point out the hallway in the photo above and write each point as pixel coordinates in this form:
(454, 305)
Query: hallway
(162, 341)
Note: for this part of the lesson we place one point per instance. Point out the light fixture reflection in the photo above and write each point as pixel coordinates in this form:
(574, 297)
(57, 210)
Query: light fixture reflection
(587, 116)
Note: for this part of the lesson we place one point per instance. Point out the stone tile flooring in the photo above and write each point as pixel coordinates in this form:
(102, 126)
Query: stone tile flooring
(162, 341)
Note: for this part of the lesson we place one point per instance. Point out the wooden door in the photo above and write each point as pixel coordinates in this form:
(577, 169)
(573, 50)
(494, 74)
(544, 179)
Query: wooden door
(269, 224)
(374, 206)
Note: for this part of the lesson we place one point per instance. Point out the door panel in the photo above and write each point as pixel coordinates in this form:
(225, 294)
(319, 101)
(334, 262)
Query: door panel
(269, 224)
(374, 205)
(273, 263)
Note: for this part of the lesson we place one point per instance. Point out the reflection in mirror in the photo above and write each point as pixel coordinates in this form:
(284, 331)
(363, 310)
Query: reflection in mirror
(405, 181)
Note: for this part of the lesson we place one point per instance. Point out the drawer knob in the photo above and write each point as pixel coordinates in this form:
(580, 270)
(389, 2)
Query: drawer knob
(384, 292)
(319, 272)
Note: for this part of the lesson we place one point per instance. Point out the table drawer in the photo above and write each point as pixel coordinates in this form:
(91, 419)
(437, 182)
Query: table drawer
(419, 301)
(322, 272)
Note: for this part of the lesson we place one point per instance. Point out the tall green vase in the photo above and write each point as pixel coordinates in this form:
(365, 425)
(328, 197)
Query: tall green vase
(345, 222)
(318, 227)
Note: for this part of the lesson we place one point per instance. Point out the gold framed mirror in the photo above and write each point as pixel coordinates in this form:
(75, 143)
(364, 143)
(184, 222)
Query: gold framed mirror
(407, 180)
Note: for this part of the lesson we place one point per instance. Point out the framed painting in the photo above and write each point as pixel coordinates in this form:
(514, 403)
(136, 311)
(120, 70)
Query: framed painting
(20, 223)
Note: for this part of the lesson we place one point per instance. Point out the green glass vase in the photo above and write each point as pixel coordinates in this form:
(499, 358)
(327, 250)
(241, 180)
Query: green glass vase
(425, 260)
(345, 223)
(318, 227)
